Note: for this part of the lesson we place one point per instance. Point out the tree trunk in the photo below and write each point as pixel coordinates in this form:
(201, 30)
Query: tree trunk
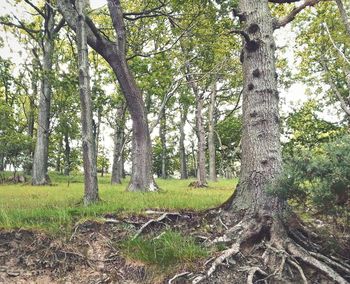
(162, 135)
(182, 150)
(117, 167)
(66, 154)
(261, 148)
(58, 158)
(88, 141)
(40, 161)
(201, 173)
(141, 174)
(115, 55)
(211, 135)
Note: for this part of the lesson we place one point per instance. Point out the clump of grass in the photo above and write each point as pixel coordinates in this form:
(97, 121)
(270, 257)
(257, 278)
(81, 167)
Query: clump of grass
(170, 249)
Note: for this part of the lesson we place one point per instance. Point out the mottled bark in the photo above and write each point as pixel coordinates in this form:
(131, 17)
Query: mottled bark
(261, 149)
(182, 149)
(211, 134)
(40, 160)
(88, 141)
(119, 137)
(162, 136)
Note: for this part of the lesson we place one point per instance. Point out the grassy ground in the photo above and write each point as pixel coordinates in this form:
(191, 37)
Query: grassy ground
(57, 208)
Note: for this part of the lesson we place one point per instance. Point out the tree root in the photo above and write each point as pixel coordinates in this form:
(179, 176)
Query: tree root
(267, 242)
(158, 220)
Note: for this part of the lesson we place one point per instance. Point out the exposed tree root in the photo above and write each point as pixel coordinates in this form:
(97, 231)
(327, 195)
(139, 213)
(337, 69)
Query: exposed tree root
(274, 251)
(152, 221)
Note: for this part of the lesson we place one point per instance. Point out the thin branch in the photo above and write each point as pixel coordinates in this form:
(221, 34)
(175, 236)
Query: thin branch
(287, 19)
(335, 46)
(35, 8)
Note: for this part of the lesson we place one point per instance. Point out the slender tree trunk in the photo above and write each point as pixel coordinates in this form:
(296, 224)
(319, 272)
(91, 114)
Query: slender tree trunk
(201, 173)
(200, 131)
(211, 135)
(89, 151)
(162, 135)
(261, 148)
(40, 161)
(182, 150)
(58, 158)
(117, 167)
(66, 154)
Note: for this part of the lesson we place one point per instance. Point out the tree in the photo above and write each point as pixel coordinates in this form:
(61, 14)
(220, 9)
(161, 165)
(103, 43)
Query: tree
(88, 139)
(262, 216)
(40, 160)
(115, 54)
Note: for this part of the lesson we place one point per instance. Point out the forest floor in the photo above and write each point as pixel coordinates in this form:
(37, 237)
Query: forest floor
(136, 238)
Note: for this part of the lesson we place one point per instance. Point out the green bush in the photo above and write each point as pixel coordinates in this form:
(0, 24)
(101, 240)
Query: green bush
(319, 178)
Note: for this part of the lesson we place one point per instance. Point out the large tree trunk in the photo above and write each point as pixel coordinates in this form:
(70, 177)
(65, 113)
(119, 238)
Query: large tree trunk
(162, 136)
(182, 150)
(40, 160)
(88, 141)
(261, 147)
(118, 162)
(211, 135)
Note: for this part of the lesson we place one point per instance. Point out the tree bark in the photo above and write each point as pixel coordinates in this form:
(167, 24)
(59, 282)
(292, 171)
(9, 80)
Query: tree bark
(182, 150)
(162, 135)
(115, 55)
(201, 173)
(117, 167)
(211, 135)
(261, 148)
(88, 139)
(344, 15)
(40, 161)
(66, 154)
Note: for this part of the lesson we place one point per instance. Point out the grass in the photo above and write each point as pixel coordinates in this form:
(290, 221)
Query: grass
(169, 249)
(57, 208)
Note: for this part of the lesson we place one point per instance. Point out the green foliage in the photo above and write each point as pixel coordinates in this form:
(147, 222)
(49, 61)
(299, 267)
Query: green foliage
(318, 178)
(169, 249)
(306, 130)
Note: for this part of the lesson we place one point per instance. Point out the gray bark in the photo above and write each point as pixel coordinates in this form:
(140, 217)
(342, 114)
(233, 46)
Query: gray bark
(211, 135)
(162, 136)
(261, 150)
(40, 160)
(66, 154)
(115, 55)
(119, 137)
(88, 141)
(182, 150)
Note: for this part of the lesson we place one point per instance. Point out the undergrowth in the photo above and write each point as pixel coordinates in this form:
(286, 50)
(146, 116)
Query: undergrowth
(165, 251)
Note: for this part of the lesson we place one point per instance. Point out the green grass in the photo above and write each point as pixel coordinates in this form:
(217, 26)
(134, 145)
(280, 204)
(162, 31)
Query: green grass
(57, 208)
(169, 249)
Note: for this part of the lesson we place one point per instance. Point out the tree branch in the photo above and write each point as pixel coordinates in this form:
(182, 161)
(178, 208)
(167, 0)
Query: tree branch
(116, 13)
(35, 8)
(287, 19)
(343, 15)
